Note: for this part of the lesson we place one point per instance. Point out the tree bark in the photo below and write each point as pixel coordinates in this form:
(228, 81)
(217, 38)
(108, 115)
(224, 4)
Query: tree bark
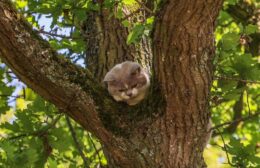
(169, 128)
(106, 43)
(183, 46)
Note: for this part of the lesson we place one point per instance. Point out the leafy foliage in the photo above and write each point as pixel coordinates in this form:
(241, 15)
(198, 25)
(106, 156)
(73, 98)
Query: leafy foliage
(236, 89)
(34, 133)
(39, 136)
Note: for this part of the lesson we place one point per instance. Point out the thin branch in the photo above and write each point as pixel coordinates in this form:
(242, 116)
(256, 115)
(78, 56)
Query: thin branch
(256, 97)
(237, 109)
(46, 146)
(225, 148)
(96, 150)
(57, 35)
(236, 79)
(145, 7)
(247, 102)
(40, 132)
(131, 14)
(77, 145)
(3, 95)
(96, 153)
(11, 74)
(235, 121)
(24, 93)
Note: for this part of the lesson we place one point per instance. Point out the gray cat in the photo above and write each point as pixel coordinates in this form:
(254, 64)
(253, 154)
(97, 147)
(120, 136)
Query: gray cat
(128, 82)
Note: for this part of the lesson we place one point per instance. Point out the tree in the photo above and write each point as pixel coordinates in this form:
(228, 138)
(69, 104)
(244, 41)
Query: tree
(168, 129)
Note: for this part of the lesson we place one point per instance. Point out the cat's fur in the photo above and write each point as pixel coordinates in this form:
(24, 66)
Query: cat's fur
(128, 82)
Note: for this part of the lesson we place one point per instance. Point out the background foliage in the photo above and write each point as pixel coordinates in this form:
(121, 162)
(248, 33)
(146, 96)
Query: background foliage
(33, 133)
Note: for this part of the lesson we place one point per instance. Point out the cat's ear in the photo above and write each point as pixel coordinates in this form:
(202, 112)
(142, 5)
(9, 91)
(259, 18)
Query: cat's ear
(109, 77)
(135, 69)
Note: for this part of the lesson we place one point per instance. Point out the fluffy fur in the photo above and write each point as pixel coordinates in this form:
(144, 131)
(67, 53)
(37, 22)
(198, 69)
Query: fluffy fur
(128, 82)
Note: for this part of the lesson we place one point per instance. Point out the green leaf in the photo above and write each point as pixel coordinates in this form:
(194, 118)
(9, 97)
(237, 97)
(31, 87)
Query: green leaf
(5, 90)
(232, 95)
(126, 23)
(8, 148)
(60, 140)
(25, 158)
(230, 41)
(250, 29)
(224, 18)
(246, 67)
(129, 2)
(12, 127)
(227, 85)
(231, 2)
(80, 14)
(25, 121)
(52, 163)
(119, 14)
(150, 20)
(135, 34)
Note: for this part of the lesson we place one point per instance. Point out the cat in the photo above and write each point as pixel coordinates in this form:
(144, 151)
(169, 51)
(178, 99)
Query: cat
(128, 82)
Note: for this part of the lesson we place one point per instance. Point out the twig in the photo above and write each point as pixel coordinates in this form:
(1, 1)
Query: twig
(238, 109)
(56, 35)
(3, 95)
(236, 121)
(74, 136)
(96, 153)
(24, 93)
(145, 7)
(236, 79)
(247, 102)
(225, 149)
(96, 150)
(256, 97)
(39, 132)
(131, 14)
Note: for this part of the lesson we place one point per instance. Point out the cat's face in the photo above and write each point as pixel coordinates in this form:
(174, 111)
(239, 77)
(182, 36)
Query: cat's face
(127, 81)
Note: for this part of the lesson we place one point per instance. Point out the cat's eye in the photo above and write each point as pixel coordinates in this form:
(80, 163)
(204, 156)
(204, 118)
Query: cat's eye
(137, 71)
(121, 90)
(135, 85)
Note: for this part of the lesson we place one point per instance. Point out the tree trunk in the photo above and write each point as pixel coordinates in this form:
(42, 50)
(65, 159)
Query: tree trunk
(169, 129)
(184, 52)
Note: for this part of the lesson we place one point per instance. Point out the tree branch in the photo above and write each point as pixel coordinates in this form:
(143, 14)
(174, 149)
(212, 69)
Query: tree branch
(236, 79)
(236, 121)
(145, 7)
(247, 102)
(57, 35)
(3, 95)
(78, 147)
(131, 14)
(237, 109)
(96, 150)
(71, 88)
(225, 149)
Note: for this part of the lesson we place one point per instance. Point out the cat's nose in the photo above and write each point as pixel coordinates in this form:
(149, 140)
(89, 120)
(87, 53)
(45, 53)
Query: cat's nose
(129, 94)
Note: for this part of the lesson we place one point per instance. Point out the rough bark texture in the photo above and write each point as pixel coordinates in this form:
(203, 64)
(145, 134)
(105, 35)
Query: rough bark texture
(183, 45)
(106, 43)
(163, 131)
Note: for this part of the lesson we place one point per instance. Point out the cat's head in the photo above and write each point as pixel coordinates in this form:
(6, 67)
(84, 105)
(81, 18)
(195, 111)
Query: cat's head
(127, 81)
